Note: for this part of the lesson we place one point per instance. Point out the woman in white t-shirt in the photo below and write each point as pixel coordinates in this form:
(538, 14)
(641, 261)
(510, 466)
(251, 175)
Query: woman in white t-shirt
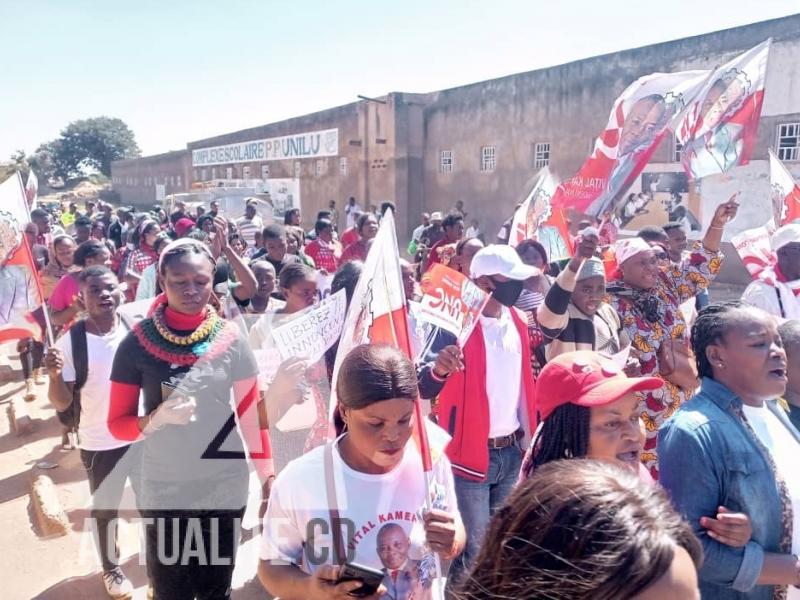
(371, 480)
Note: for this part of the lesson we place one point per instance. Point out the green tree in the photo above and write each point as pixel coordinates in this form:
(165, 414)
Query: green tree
(87, 145)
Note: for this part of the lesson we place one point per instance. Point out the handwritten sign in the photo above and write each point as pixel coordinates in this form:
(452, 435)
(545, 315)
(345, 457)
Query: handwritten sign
(451, 301)
(308, 336)
(324, 281)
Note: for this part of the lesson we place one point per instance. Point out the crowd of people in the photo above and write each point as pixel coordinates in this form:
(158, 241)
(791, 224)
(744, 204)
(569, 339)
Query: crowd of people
(612, 432)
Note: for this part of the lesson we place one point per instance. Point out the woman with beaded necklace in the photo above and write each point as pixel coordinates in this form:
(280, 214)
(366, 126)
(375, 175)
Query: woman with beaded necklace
(186, 360)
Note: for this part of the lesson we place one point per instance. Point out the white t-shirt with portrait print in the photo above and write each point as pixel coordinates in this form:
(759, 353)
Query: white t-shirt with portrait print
(784, 449)
(93, 433)
(380, 512)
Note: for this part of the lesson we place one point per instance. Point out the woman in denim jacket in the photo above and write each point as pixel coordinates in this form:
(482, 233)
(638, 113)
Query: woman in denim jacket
(731, 448)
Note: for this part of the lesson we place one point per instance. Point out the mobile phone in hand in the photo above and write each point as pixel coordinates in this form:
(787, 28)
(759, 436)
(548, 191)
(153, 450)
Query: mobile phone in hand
(370, 578)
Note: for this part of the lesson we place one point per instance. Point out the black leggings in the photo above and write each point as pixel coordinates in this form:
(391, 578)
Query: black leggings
(107, 471)
(191, 554)
(31, 355)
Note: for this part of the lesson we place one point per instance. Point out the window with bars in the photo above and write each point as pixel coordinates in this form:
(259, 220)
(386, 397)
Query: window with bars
(229, 173)
(677, 150)
(343, 166)
(298, 169)
(788, 142)
(319, 167)
(264, 171)
(203, 174)
(541, 154)
(245, 172)
(488, 158)
(446, 161)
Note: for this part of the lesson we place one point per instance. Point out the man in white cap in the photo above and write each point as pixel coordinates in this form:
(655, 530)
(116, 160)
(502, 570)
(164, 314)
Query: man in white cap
(433, 232)
(487, 403)
(777, 290)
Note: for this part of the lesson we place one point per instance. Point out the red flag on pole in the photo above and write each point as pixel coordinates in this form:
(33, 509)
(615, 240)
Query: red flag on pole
(536, 220)
(377, 314)
(20, 291)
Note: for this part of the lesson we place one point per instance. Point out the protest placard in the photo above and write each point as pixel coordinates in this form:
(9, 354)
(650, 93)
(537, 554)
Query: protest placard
(309, 335)
(324, 281)
(451, 301)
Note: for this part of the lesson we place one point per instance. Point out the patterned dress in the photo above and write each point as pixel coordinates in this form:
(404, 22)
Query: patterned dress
(676, 284)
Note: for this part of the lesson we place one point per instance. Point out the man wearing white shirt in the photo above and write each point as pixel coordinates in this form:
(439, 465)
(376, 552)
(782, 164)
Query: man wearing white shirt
(777, 290)
(108, 461)
(351, 211)
(488, 405)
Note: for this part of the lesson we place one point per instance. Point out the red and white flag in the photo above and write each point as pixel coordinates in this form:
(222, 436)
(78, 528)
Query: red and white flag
(32, 189)
(785, 192)
(753, 247)
(718, 130)
(641, 116)
(536, 220)
(377, 315)
(20, 293)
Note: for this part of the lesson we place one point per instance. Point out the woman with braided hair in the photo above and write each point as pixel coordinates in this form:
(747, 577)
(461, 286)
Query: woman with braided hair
(732, 448)
(197, 376)
(589, 409)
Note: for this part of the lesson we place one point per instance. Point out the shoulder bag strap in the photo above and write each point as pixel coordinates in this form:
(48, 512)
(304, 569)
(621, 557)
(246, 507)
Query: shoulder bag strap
(80, 353)
(339, 553)
(780, 301)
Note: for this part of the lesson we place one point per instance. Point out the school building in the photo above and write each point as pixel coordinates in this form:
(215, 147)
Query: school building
(482, 142)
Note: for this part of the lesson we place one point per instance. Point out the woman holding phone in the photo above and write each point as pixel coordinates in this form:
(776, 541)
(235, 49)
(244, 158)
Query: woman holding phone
(188, 364)
(359, 499)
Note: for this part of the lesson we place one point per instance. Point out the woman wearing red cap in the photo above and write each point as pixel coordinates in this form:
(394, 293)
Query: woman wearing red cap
(590, 409)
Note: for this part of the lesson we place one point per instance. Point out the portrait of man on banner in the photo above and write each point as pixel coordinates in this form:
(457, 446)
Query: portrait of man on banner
(720, 147)
(642, 128)
(718, 130)
(639, 119)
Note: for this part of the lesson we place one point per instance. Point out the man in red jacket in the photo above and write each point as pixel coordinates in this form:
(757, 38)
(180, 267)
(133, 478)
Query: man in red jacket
(489, 406)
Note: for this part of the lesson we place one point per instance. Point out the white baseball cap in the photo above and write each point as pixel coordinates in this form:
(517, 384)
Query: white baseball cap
(784, 236)
(436, 216)
(499, 259)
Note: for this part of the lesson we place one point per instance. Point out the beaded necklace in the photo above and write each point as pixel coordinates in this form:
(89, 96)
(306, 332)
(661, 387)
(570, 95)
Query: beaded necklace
(209, 340)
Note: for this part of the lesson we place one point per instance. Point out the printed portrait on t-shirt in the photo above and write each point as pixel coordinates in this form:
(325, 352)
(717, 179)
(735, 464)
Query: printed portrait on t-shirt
(408, 566)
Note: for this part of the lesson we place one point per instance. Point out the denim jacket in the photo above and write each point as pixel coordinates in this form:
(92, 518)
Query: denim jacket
(709, 459)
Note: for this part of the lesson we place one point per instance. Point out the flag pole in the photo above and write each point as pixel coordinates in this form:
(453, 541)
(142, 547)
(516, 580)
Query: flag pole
(436, 588)
(48, 325)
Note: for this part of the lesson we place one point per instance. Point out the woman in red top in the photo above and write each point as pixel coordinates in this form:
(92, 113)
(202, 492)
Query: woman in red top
(142, 256)
(197, 377)
(367, 229)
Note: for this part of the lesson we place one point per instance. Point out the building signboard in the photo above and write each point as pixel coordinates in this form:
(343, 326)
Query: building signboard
(312, 144)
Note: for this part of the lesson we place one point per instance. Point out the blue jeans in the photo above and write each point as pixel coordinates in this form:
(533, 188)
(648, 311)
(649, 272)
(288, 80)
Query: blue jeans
(479, 500)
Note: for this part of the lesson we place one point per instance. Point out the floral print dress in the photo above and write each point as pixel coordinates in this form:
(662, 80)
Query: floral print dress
(651, 316)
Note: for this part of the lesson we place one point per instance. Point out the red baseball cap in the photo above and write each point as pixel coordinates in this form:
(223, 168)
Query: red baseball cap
(587, 379)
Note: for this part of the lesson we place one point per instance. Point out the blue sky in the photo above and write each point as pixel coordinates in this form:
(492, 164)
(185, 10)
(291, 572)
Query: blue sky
(177, 71)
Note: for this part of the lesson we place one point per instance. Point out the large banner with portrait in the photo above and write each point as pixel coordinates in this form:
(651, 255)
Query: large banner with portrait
(639, 119)
(718, 130)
